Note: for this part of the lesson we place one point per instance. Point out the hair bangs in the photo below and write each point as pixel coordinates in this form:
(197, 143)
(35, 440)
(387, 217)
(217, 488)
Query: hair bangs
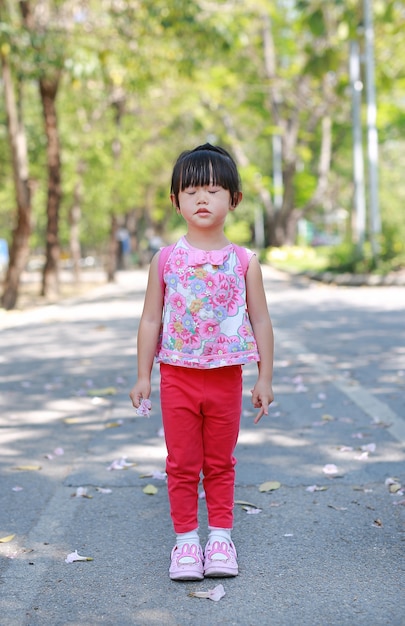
(202, 168)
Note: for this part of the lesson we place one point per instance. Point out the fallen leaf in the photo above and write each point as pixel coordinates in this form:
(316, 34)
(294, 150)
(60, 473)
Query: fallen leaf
(337, 508)
(7, 539)
(270, 485)
(251, 511)
(103, 490)
(74, 556)
(378, 523)
(114, 424)
(213, 594)
(394, 487)
(105, 391)
(155, 474)
(313, 488)
(244, 503)
(27, 468)
(328, 418)
(150, 490)
(72, 420)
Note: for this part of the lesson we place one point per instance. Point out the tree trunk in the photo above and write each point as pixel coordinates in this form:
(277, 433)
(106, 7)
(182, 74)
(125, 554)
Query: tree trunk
(18, 145)
(50, 280)
(75, 215)
(111, 264)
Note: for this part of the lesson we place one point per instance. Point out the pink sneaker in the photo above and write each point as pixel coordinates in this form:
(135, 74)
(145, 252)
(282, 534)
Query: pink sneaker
(187, 563)
(220, 560)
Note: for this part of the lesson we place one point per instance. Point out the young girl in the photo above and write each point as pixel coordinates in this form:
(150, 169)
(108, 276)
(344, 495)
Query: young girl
(210, 296)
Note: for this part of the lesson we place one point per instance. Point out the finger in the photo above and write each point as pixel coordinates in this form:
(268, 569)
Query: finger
(259, 416)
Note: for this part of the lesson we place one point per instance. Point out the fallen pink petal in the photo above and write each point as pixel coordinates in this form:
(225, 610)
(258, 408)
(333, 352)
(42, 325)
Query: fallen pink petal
(159, 475)
(74, 556)
(212, 594)
(330, 469)
(59, 451)
(81, 492)
(120, 464)
(17, 488)
(362, 457)
(251, 511)
(370, 447)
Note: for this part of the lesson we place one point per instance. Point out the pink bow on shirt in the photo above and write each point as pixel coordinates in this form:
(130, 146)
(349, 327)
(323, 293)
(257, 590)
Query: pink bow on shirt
(199, 257)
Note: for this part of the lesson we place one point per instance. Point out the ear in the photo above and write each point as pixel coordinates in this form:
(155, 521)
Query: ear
(236, 200)
(173, 201)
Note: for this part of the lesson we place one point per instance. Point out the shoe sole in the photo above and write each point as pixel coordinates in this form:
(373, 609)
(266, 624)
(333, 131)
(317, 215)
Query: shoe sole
(185, 577)
(220, 574)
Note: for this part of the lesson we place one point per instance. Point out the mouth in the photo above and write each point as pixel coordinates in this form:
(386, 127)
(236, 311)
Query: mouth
(202, 212)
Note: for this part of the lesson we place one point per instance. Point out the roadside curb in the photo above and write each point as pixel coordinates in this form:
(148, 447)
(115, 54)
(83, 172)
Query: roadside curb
(394, 279)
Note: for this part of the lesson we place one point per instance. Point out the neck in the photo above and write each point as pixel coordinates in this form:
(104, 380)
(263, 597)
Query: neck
(206, 240)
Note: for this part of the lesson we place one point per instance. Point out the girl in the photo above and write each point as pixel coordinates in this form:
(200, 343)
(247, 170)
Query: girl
(210, 295)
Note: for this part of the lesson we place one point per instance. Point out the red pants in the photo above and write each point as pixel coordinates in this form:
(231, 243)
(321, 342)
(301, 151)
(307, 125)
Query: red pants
(201, 417)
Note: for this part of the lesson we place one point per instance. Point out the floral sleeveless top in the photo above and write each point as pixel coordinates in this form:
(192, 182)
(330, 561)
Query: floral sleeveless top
(205, 322)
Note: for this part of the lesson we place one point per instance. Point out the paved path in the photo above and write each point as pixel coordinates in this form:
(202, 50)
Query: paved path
(326, 549)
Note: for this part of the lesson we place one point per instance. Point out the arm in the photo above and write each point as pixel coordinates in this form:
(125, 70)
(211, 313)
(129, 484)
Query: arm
(262, 393)
(148, 334)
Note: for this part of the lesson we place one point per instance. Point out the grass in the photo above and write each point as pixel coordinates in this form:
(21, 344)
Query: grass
(298, 259)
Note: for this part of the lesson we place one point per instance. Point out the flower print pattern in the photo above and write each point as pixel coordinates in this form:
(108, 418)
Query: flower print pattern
(205, 322)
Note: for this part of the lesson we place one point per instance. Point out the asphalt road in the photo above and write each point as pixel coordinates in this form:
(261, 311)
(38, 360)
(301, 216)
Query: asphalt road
(325, 549)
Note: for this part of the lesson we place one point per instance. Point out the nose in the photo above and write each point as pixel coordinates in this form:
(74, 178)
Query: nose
(202, 195)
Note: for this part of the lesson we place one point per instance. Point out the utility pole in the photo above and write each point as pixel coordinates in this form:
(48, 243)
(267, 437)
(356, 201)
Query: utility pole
(359, 222)
(372, 137)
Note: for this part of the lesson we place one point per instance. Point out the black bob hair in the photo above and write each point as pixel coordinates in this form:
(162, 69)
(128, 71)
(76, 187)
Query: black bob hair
(206, 165)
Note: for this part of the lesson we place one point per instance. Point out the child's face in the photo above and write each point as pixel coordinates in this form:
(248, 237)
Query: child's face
(205, 206)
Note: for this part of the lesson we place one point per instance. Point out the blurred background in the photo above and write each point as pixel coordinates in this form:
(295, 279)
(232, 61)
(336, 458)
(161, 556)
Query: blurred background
(98, 98)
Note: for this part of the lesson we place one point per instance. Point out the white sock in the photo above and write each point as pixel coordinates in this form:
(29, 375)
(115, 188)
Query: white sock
(190, 537)
(219, 534)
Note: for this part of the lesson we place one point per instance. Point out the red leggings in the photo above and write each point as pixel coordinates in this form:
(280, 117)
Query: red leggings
(201, 417)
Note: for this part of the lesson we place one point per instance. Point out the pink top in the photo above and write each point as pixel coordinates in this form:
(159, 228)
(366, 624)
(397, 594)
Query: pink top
(205, 321)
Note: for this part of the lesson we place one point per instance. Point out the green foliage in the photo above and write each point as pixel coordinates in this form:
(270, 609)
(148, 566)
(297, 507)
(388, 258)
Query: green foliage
(297, 258)
(143, 80)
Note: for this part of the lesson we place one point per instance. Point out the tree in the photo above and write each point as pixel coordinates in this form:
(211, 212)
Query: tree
(18, 148)
(49, 73)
